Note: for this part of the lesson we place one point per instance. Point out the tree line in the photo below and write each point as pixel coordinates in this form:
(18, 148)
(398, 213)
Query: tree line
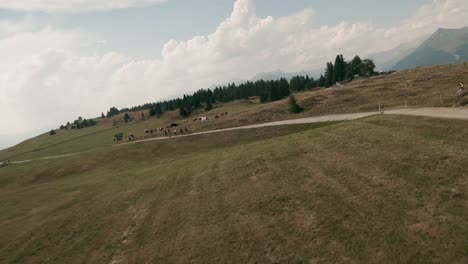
(79, 124)
(268, 91)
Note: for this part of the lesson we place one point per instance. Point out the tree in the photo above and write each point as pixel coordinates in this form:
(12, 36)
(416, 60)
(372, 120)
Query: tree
(102, 115)
(77, 124)
(293, 106)
(322, 81)
(112, 112)
(183, 111)
(329, 74)
(339, 73)
(143, 115)
(152, 111)
(158, 110)
(185, 107)
(354, 68)
(263, 97)
(126, 117)
(91, 122)
(209, 105)
(52, 132)
(368, 68)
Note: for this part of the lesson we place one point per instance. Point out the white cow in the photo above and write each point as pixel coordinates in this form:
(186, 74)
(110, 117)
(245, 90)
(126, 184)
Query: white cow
(461, 88)
(204, 119)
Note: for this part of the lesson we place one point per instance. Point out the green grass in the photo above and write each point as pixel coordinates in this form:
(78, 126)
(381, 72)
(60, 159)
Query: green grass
(384, 189)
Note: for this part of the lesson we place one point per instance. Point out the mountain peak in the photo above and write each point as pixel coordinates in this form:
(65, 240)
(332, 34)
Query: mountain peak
(444, 46)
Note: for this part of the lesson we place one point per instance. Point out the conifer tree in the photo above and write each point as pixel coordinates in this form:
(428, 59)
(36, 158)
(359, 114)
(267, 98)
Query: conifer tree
(293, 106)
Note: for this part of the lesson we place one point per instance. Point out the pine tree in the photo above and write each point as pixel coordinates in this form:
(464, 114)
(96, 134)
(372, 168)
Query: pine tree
(152, 111)
(293, 106)
(158, 110)
(209, 106)
(322, 81)
(329, 74)
(102, 115)
(340, 69)
(142, 115)
(126, 117)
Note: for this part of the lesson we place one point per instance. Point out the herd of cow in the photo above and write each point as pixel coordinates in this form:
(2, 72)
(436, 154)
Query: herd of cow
(173, 129)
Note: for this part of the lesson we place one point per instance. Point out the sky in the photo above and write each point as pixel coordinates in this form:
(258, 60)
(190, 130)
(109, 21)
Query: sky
(64, 59)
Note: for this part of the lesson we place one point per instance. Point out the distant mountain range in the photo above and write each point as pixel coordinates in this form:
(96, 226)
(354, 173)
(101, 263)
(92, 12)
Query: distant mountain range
(278, 74)
(445, 46)
(386, 60)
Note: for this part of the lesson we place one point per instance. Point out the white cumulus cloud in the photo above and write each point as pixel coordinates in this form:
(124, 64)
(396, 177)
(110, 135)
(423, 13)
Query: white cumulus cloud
(73, 5)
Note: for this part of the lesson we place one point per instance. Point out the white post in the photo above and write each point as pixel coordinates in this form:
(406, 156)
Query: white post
(379, 107)
(406, 104)
(441, 100)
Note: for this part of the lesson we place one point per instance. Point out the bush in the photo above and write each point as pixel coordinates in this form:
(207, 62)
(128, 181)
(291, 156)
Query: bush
(52, 132)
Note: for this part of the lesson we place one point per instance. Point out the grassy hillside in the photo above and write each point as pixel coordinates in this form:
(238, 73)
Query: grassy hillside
(418, 87)
(379, 190)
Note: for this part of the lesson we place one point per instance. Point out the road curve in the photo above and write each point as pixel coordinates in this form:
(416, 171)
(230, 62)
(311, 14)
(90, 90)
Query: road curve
(305, 120)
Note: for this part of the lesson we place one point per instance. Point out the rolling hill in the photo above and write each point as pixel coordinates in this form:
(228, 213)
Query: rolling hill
(445, 46)
(383, 189)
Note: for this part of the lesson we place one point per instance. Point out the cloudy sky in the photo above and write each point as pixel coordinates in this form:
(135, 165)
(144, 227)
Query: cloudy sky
(63, 59)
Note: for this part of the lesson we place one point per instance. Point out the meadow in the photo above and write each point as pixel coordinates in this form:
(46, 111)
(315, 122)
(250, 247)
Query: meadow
(384, 189)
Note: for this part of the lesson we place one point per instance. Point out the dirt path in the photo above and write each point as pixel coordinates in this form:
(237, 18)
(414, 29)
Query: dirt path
(437, 112)
(305, 120)
(44, 158)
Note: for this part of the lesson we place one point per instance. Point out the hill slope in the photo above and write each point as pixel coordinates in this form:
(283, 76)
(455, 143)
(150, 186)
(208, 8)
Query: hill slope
(443, 47)
(331, 193)
(418, 88)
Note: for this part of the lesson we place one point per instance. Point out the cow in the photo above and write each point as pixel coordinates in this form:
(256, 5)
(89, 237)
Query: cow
(147, 131)
(461, 89)
(216, 116)
(118, 137)
(185, 121)
(204, 119)
(174, 124)
(131, 137)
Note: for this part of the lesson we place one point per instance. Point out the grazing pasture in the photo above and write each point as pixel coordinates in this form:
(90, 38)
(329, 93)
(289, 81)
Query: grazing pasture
(384, 189)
